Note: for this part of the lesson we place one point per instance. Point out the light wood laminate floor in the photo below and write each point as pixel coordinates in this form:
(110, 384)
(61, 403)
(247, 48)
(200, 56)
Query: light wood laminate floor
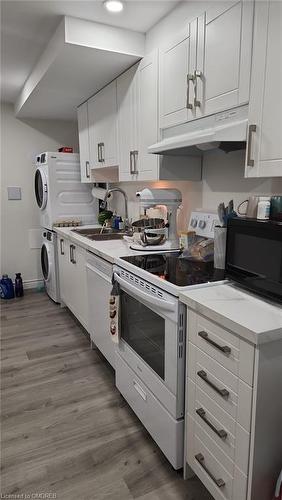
(66, 430)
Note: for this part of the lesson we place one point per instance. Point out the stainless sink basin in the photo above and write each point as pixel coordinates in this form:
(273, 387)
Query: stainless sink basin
(105, 237)
(93, 230)
(96, 235)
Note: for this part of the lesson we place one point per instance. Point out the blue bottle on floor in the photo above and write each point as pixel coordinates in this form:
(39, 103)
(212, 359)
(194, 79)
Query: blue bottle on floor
(6, 287)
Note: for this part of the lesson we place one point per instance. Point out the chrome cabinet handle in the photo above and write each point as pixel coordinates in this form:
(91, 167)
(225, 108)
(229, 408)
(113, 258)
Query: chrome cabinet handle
(131, 155)
(220, 432)
(73, 259)
(87, 173)
(62, 246)
(190, 78)
(70, 253)
(201, 459)
(223, 392)
(222, 348)
(98, 152)
(135, 158)
(250, 161)
(197, 74)
(101, 157)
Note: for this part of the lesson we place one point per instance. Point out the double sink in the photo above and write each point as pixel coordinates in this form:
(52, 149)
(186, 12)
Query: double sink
(95, 234)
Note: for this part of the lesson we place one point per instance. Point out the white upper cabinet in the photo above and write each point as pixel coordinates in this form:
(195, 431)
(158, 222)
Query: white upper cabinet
(127, 124)
(137, 97)
(264, 147)
(207, 69)
(83, 134)
(174, 85)
(224, 56)
(102, 117)
(147, 118)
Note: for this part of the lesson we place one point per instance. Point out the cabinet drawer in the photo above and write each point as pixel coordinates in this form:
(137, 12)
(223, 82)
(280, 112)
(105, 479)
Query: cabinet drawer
(227, 390)
(221, 427)
(165, 430)
(229, 350)
(220, 475)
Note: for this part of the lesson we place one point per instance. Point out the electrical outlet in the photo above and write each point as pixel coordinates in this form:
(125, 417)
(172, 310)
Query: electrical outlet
(14, 193)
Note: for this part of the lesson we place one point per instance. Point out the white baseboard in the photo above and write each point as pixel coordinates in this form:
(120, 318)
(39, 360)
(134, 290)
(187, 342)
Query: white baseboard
(28, 284)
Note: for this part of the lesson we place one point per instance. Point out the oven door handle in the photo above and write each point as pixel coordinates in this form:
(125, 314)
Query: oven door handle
(150, 299)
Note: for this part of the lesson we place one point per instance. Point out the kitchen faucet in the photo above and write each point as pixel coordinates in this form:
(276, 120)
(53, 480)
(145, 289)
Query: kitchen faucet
(104, 202)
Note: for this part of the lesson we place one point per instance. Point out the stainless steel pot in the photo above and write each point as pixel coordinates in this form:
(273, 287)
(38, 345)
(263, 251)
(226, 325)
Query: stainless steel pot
(145, 227)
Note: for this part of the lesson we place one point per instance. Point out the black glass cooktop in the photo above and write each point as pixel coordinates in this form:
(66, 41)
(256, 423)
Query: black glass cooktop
(171, 267)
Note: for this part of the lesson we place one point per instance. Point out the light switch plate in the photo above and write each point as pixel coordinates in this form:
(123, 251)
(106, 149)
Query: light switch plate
(14, 193)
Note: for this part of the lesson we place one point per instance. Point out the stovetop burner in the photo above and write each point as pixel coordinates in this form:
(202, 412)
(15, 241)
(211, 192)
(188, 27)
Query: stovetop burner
(174, 269)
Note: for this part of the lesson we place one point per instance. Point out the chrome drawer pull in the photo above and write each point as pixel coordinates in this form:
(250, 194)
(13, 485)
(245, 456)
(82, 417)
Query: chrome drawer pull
(190, 78)
(250, 161)
(223, 348)
(220, 432)
(223, 392)
(62, 246)
(201, 459)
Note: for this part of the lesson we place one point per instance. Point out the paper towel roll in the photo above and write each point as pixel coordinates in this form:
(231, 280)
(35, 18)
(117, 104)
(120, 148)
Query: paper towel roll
(100, 193)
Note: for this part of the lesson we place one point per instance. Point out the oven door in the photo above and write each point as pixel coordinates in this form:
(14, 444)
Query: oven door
(152, 339)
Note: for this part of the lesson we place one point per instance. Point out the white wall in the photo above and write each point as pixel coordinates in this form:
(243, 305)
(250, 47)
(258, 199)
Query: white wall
(20, 142)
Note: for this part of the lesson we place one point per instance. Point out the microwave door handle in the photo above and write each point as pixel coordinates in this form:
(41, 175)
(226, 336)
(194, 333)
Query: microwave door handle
(127, 287)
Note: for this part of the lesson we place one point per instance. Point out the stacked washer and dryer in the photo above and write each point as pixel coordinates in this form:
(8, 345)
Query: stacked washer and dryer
(61, 197)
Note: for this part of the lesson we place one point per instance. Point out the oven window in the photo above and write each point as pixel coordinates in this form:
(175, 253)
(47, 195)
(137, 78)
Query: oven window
(144, 331)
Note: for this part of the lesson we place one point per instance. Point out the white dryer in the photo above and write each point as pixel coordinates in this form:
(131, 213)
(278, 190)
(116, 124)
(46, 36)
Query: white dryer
(59, 192)
(49, 264)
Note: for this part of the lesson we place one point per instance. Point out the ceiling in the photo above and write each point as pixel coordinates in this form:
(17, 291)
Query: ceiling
(27, 26)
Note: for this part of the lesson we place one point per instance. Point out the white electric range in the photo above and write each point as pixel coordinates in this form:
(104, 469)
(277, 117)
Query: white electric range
(150, 358)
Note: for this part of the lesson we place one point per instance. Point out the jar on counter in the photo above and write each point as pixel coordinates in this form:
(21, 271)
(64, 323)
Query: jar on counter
(263, 208)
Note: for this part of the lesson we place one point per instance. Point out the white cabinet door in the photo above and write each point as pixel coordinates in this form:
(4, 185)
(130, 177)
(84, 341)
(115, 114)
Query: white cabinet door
(224, 44)
(102, 115)
(83, 135)
(127, 123)
(147, 164)
(77, 272)
(264, 148)
(137, 96)
(175, 100)
(72, 274)
(64, 267)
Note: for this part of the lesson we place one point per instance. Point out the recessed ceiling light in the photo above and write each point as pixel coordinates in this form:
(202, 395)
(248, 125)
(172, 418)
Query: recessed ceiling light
(113, 5)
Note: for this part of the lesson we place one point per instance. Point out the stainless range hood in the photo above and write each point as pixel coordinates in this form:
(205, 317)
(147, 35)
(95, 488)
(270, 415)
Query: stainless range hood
(227, 131)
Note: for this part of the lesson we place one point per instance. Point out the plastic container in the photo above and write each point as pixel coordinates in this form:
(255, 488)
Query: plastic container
(263, 212)
(6, 287)
(19, 285)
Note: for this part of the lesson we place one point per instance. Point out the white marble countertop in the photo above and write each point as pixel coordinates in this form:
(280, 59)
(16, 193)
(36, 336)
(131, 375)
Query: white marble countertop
(108, 250)
(252, 318)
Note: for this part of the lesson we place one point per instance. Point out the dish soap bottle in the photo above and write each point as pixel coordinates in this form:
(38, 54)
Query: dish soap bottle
(19, 285)
(6, 287)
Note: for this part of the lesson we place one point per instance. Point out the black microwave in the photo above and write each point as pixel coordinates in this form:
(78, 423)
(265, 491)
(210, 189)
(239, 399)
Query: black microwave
(254, 255)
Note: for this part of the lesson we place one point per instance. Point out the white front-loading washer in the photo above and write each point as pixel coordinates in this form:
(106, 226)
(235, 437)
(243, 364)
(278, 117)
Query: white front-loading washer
(59, 192)
(49, 264)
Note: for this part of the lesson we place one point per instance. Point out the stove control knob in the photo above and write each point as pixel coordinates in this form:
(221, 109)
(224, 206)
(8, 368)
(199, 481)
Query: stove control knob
(194, 222)
(202, 224)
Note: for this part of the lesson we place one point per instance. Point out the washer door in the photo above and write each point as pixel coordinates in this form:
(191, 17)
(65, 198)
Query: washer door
(45, 263)
(40, 187)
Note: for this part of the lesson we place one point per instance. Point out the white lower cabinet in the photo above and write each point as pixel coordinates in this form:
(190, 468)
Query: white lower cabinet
(264, 146)
(231, 426)
(72, 274)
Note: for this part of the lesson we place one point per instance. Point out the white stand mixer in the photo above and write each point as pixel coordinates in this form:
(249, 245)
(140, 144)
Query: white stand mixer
(172, 199)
